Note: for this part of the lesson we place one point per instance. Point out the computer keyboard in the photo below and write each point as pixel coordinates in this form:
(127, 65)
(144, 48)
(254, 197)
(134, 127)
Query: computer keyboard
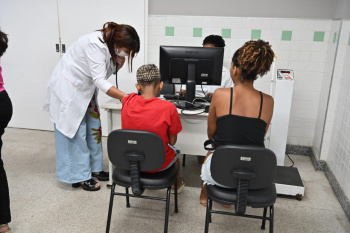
(179, 97)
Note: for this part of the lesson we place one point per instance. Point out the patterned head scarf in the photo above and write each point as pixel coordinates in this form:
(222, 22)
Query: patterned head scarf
(148, 73)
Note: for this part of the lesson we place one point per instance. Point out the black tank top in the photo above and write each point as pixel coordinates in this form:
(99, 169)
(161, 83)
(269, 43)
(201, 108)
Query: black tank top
(240, 130)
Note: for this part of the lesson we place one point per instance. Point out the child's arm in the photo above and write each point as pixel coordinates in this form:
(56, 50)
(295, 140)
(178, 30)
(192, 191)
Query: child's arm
(172, 139)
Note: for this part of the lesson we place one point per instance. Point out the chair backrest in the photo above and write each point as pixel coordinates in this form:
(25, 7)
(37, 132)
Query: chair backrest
(124, 145)
(231, 159)
(168, 89)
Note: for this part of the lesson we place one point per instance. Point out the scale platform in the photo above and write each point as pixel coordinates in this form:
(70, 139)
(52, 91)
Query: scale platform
(288, 182)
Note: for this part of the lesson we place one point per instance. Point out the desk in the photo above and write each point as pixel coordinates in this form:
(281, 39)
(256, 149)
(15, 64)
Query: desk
(190, 140)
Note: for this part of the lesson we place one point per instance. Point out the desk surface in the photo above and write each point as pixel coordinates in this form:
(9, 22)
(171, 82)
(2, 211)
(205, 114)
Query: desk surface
(114, 104)
(194, 127)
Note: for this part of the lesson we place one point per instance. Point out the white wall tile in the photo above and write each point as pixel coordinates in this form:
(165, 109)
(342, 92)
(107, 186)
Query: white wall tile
(183, 31)
(306, 57)
(156, 21)
(298, 24)
(309, 25)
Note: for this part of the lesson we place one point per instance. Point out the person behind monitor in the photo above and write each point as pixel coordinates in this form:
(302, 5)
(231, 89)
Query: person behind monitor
(240, 115)
(226, 81)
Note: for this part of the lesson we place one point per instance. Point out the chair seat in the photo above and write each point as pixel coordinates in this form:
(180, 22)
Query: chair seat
(157, 180)
(258, 198)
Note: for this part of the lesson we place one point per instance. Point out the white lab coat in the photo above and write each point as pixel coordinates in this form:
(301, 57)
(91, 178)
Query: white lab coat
(226, 81)
(82, 70)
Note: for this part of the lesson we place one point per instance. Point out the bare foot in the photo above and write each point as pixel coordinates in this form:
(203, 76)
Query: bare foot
(4, 227)
(203, 198)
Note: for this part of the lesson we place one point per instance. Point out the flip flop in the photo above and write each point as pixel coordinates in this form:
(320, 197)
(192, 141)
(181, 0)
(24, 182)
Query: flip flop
(8, 229)
(179, 189)
(88, 185)
(102, 176)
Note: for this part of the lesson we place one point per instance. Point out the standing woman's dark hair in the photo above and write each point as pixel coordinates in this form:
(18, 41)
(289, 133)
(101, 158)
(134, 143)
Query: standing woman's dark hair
(3, 43)
(253, 58)
(121, 35)
(5, 117)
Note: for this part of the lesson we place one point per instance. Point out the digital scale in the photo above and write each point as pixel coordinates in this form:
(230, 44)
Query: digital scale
(288, 180)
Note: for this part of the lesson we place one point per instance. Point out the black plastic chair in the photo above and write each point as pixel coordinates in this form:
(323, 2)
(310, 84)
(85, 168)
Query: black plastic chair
(133, 152)
(249, 173)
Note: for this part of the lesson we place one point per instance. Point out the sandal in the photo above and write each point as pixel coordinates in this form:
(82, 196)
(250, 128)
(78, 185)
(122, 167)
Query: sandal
(8, 229)
(179, 189)
(101, 176)
(88, 185)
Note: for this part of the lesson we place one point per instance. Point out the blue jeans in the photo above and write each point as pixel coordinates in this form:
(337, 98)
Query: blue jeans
(78, 157)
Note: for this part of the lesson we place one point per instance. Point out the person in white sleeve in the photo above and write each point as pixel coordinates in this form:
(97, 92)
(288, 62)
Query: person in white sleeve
(226, 81)
(71, 100)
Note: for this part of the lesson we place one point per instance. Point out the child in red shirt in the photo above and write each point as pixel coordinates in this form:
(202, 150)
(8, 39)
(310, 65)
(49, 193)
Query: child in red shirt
(149, 113)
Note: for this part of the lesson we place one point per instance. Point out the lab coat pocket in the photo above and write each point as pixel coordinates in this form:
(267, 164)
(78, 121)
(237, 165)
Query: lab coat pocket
(66, 87)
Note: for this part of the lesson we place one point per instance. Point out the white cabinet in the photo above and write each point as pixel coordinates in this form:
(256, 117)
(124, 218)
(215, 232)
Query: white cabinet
(35, 27)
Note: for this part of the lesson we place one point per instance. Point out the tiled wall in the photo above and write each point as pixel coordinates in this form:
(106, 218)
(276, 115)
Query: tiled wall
(322, 130)
(338, 155)
(302, 44)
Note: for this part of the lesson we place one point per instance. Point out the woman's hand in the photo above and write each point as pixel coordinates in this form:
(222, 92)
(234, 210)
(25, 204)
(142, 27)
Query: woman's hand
(120, 61)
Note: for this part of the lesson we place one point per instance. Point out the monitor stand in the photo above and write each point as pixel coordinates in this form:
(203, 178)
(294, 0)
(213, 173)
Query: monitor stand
(191, 87)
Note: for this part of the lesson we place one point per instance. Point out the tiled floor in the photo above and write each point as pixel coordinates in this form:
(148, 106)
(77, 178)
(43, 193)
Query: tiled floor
(40, 203)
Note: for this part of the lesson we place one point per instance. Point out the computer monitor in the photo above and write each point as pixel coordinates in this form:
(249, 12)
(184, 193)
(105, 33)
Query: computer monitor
(191, 66)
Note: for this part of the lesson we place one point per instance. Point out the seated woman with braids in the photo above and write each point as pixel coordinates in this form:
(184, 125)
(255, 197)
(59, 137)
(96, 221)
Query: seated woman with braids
(240, 115)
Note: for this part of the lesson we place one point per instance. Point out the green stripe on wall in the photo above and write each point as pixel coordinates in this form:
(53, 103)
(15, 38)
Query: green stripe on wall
(319, 36)
(256, 34)
(197, 32)
(287, 35)
(169, 31)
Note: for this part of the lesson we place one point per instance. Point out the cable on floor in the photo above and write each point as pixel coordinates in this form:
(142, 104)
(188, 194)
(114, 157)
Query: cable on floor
(290, 159)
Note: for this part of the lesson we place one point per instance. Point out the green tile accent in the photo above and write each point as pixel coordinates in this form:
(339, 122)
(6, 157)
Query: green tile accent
(256, 34)
(334, 37)
(226, 33)
(349, 40)
(169, 31)
(319, 36)
(287, 35)
(197, 32)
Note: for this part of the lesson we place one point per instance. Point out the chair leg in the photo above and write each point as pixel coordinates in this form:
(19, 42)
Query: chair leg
(264, 219)
(110, 208)
(167, 210)
(127, 197)
(207, 217)
(271, 218)
(184, 160)
(175, 189)
(210, 208)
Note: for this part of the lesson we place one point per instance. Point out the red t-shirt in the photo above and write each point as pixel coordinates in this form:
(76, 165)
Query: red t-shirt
(153, 115)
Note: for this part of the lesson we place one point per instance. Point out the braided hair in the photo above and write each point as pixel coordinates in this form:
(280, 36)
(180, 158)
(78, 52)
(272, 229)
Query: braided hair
(253, 58)
(3, 43)
(121, 35)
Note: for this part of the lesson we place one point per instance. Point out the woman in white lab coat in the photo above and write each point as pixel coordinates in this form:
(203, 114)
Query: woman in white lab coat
(71, 100)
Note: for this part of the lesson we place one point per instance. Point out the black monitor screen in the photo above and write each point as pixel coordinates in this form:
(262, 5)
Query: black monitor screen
(191, 66)
(207, 64)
